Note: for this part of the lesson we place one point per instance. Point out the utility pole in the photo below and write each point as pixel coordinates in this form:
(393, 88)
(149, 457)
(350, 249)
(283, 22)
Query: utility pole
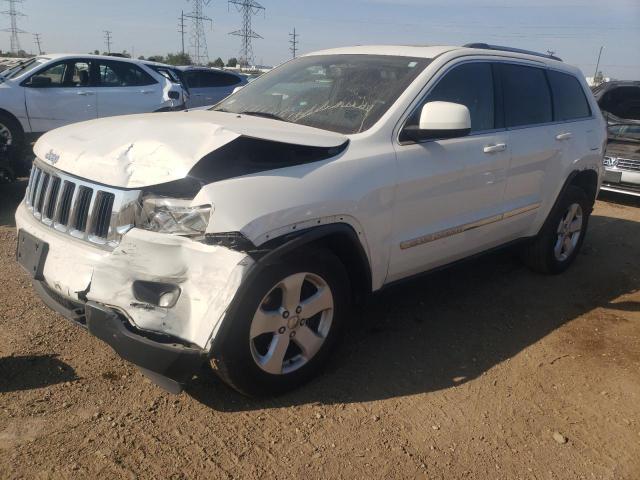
(248, 8)
(294, 42)
(13, 14)
(107, 40)
(181, 30)
(199, 51)
(597, 65)
(36, 38)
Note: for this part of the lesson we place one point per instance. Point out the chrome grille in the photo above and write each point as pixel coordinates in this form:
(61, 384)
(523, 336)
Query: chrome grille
(84, 210)
(628, 164)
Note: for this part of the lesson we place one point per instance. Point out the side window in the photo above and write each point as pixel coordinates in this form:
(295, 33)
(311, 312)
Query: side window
(54, 75)
(121, 74)
(569, 101)
(470, 84)
(527, 99)
(623, 102)
(78, 74)
(217, 79)
(192, 78)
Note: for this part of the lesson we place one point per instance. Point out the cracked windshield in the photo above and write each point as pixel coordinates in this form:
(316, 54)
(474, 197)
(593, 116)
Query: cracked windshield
(341, 93)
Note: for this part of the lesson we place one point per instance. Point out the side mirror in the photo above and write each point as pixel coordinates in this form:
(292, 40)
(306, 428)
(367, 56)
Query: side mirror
(440, 120)
(39, 81)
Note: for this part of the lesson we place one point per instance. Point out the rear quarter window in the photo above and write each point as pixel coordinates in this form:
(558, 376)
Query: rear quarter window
(527, 99)
(569, 100)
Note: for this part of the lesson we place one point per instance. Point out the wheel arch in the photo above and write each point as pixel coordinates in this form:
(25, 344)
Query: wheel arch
(587, 180)
(340, 239)
(14, 119)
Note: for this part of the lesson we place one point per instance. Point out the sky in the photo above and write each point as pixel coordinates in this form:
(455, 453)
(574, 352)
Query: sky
(574, 29)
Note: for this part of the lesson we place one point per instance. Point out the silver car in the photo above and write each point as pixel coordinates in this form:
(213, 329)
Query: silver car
(208, 86)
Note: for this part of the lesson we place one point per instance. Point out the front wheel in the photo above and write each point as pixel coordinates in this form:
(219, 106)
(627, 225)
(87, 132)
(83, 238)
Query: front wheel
(560, 240)
(284, 329)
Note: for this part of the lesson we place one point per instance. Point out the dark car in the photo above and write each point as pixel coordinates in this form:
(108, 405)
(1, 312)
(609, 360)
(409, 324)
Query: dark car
(620, 105)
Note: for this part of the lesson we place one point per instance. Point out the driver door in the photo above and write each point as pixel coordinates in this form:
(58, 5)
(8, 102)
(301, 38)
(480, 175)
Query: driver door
(68, 96)
(450, 192)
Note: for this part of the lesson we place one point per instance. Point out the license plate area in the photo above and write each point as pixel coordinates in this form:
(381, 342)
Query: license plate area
(612, 177)
(31, 254)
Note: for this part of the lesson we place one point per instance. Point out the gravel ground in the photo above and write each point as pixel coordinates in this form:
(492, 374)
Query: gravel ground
(481, 371)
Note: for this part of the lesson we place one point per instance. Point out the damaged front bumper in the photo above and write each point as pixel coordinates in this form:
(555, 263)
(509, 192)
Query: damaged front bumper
(95, 288)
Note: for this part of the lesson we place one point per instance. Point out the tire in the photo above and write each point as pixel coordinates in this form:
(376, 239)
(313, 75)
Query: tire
(11, 136)
(268, 325)
(557, 245)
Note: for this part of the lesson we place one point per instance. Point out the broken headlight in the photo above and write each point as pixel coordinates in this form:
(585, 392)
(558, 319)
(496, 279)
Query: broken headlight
(173, 216)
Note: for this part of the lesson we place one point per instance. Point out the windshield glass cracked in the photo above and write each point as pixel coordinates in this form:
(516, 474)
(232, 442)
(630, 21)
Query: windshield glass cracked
(341, 93)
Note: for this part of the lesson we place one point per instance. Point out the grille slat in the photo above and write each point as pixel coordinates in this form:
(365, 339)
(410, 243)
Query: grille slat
(102, 214)
(42, 192)
(628, 164)
(93, 213)
(52, 199)
(62, 217)
(82, 209)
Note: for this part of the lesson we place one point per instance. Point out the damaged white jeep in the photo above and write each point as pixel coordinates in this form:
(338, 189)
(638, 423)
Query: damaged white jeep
(241, 235)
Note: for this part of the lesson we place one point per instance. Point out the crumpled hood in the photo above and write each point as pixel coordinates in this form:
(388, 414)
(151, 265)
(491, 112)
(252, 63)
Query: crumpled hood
(136, 151)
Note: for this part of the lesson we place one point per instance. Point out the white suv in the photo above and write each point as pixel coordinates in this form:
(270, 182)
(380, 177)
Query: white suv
(47, 92)
(243, 234)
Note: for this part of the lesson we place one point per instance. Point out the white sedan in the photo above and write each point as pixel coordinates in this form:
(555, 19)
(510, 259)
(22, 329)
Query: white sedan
(47, 92)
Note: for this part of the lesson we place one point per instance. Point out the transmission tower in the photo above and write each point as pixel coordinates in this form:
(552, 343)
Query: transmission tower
(181, 30)
(294, 43)
(36, 38)
(199, 51)
(248, 8)
(107, 40)
(13, 14)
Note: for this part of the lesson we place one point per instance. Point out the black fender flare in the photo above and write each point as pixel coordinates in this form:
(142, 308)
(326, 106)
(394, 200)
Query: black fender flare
(273, 251)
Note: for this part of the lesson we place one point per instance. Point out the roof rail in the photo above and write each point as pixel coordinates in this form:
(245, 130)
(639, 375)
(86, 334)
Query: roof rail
(486, 46)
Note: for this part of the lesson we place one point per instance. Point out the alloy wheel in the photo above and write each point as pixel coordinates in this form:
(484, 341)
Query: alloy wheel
(6, 138)
(569, 232)
(291, 323)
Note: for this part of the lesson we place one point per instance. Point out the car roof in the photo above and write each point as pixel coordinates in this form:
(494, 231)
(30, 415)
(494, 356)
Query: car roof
(63, 56)
(433, 51)
(187, 68)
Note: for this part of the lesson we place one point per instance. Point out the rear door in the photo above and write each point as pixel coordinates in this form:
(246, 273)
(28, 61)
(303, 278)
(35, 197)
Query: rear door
(125, 88)
(64, 93)
(535, 150)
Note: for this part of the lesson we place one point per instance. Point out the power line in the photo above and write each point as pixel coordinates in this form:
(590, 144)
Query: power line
(294, 43)
(107, 40)
(13, 14)
(36, 38)
(248, 8)
(199, 51)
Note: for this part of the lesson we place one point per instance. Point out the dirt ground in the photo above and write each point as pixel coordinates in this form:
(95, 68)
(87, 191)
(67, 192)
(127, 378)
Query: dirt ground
(481, 371)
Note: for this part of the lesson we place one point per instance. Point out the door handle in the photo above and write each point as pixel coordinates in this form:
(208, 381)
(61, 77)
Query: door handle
(84, 94)
(564, 136)
(500, 147)
(146, 92)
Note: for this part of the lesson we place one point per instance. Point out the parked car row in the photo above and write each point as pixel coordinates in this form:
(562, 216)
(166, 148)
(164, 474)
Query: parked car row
(46, 92)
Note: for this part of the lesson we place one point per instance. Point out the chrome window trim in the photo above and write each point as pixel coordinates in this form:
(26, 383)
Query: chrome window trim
(437, 77)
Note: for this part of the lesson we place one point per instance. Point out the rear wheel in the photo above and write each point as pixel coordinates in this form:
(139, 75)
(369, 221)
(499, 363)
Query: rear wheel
(560, 240)
(283, 331)
(11, 137)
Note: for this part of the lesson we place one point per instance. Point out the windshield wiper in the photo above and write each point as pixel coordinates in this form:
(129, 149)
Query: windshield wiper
(272, 116)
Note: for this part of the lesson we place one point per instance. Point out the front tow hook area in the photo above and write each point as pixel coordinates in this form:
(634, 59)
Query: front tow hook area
(168, 365)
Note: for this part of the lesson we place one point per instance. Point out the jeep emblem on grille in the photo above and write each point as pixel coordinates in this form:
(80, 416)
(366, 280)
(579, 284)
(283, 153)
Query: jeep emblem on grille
(52, 157)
